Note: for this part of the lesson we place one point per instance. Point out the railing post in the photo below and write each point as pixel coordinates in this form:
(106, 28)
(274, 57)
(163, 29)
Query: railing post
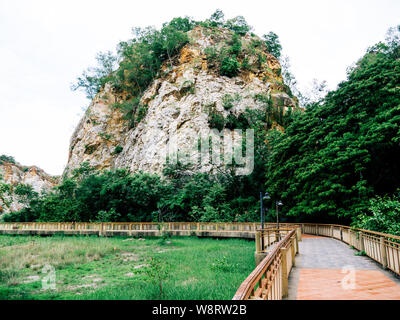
(258, 242)
(316, 230)
(331, 231)
(362, 246)
(259, 255)
(285, 285)
(298, 232)
(383, 252)
(293, 244)
(350, 239)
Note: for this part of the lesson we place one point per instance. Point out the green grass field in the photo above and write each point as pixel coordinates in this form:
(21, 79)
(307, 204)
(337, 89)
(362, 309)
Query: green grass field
(114, 268)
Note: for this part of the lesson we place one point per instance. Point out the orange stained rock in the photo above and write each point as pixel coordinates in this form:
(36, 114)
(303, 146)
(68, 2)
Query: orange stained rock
(187, 55)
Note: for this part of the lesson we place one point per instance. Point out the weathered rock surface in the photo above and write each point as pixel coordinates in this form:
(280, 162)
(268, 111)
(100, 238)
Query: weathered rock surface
(177, 109)
(14, 174)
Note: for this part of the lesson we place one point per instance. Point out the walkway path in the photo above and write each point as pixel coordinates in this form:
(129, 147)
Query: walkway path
(329, 269)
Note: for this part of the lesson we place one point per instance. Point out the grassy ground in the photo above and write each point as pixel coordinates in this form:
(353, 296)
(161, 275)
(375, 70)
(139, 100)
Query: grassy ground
(120, 268)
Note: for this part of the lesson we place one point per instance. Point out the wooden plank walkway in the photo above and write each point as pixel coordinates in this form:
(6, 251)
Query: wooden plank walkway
(328, 269)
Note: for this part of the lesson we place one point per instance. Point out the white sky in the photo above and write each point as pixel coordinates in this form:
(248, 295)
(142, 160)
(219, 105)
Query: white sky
(45, 45)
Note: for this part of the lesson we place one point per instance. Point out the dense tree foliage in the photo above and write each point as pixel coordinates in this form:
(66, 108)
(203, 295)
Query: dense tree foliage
(343, 150)
(119, 196)
(383, 215)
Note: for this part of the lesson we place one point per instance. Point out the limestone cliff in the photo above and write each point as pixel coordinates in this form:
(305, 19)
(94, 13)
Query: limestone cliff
(14, 174)
(178, 105)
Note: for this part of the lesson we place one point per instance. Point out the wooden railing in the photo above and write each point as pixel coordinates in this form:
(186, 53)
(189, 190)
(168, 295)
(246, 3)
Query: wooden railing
(269, 280)
(381, 247)
(135, 226)
(267, 238)
(130, 226)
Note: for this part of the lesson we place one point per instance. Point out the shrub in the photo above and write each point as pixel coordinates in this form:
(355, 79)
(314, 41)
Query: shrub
(105, 136)
(227, 101)
(222, 264)
(383, 215)
(216, 120)
(187, 88)
(142, 111)
(235, 45)
(236, 122)
(245, 64)
(108, 216)
(118, 149)
(9, 159)
(212, 55)
(229, 67)
(238, 25)
(156, 271)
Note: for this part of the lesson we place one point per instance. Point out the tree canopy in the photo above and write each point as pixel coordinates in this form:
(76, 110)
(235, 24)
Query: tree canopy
(340, 152)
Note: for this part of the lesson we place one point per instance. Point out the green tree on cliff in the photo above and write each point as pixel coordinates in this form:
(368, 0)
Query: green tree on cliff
(273, 44)
(343, 150)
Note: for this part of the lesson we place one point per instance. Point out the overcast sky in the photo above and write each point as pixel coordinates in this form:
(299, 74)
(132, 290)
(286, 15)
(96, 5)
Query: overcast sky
(45, 45)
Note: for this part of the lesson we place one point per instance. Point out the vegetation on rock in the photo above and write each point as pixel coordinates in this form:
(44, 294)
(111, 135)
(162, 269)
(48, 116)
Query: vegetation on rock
(8, 159)
(140, 60)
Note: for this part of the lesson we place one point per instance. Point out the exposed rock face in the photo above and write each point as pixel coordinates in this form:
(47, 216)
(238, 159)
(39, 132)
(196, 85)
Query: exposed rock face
(178, 105)
(14, 174)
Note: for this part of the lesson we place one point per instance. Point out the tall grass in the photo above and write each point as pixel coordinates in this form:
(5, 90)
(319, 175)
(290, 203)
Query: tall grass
(104, 268)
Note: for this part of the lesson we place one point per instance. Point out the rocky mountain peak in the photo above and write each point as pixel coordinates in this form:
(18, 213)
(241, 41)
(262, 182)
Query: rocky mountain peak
(211, 83)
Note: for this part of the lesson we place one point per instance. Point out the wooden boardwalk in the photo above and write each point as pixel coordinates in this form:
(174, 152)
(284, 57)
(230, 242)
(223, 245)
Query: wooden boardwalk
(328, 269)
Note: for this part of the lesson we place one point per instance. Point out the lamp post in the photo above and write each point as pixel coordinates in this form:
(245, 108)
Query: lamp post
(263, 196)
(277, 205)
